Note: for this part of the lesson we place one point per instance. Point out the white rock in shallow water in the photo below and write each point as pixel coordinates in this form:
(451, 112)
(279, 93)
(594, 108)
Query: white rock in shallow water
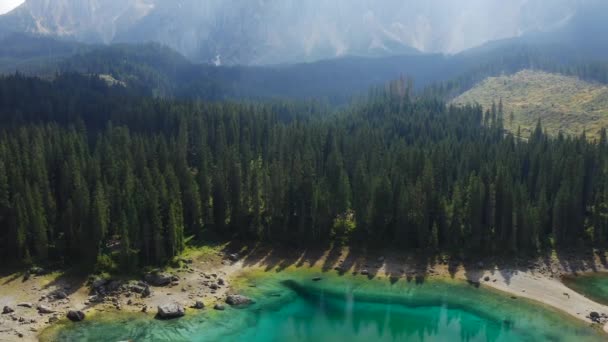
(236, 300)
(170, 310)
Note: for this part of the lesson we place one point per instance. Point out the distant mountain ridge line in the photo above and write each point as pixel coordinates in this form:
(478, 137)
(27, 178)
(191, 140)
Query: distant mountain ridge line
(287, 31)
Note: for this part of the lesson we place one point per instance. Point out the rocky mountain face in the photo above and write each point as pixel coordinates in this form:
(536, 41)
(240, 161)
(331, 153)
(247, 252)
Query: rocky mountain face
(286, 31)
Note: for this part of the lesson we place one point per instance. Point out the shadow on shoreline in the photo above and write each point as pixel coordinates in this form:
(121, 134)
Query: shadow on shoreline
(417, 266)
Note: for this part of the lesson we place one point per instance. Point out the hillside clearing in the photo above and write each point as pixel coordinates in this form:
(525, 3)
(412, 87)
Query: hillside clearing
(562, 103)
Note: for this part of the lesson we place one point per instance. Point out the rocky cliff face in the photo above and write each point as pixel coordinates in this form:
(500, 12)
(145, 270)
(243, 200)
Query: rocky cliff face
(283, 31)
(84, 20)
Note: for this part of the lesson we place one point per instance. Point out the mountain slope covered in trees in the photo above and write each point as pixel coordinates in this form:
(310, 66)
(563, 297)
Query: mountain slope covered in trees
(155, 70)
(90, 174)
(563, 103)
(35, 55)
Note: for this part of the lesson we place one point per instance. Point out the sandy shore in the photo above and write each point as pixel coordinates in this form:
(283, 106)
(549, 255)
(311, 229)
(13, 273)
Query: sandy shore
(199, 280)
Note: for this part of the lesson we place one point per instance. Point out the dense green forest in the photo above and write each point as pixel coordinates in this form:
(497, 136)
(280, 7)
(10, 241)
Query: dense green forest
(91, 174)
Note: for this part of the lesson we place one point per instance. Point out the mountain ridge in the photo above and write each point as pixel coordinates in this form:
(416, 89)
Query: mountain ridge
(274, 32)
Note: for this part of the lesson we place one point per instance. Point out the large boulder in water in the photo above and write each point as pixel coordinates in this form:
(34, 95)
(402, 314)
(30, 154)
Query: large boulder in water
(170, 310)
(238, 300)
(75, 315)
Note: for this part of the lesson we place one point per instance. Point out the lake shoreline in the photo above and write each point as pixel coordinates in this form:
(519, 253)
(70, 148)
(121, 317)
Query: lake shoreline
(537, 280)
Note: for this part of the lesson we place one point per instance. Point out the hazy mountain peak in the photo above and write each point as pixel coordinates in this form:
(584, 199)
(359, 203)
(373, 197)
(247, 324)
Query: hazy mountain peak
(278, 31)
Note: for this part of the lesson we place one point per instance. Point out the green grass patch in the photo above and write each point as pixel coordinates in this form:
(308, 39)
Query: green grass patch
(563, 103)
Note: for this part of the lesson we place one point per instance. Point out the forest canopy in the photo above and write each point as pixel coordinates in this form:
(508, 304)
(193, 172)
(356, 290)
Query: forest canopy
(90, 173)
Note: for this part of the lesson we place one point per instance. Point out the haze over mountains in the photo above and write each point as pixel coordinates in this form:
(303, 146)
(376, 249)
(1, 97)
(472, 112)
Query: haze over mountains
(288, 31)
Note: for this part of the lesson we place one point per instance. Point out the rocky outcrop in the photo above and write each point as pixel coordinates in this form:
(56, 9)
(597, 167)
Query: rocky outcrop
(146, 292)
(595, 317)
(99, 282)
(159, 279)
(75, 315)
(137, 288)
(114, 285)
(43, 309)
(59, 295)
(170, 310)
(198, 305)
(238, 300)
(7, 310)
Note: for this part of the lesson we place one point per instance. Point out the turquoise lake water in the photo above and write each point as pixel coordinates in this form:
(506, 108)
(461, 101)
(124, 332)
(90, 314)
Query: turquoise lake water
(291, 307)
(593, 286)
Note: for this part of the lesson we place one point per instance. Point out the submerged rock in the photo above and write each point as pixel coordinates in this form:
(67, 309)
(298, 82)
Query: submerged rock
(238, 300)
(473, 283)
(170, 310)
(75, 315)
(219, 307)
(316, 279)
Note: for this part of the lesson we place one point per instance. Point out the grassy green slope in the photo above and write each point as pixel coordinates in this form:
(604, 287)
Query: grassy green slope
(562, 103)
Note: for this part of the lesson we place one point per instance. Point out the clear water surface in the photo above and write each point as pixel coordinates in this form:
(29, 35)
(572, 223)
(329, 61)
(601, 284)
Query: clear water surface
(592, 285)
(290, 306)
